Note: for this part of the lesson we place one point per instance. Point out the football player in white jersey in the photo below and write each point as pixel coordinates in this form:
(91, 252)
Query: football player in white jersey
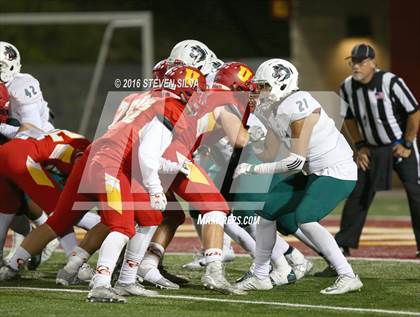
(312, 145)
(26, 103)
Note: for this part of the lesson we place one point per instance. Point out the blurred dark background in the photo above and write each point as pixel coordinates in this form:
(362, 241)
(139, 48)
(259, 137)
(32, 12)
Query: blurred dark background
(315, 35)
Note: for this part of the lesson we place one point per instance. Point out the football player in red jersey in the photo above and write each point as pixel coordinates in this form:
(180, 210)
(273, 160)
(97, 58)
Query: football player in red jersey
(26, 165)
(221, 108)
(142, 134)
(147, 220)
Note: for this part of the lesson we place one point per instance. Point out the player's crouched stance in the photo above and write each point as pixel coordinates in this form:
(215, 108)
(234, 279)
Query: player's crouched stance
(297, 203)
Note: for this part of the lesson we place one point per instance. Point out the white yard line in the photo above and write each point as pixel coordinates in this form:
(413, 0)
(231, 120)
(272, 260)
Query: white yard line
(238, 301)
(241, 255)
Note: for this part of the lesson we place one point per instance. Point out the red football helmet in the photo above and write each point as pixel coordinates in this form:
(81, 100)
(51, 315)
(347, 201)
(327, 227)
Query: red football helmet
(184, 81)
(4, 103)
(160, 69)
(235, 76)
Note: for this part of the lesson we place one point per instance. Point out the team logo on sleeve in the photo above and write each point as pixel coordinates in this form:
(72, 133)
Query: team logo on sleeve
(10, 53)
(198, 54)
(281, 73)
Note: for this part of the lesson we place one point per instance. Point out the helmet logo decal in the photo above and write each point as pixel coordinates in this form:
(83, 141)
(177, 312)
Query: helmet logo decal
(244, 73)
(10, 53)
(198, 54)
(281, 73)
(191, 77)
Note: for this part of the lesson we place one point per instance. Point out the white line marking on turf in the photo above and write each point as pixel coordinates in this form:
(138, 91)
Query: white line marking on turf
(236, 301)
(318, 257)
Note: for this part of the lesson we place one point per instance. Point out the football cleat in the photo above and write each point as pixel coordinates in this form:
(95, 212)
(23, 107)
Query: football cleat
(343, 284)
(282, 278)
(17, 239)
(329, 271)
(300, 265)
(33, 262)
(7, 273)
(214, 279)
(49, 250)
(250, 283)
(177, 279)
(135, 289)
(245, 276)
(198, 262)
(65, 278)
(103, 294)
(85, 273)
(153, 276)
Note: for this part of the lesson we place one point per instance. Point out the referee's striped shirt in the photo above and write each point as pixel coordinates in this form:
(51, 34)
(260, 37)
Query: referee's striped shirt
(380, 107)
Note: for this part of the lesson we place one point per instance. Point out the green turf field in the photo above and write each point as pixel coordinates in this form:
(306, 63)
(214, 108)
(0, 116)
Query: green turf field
(389, 286)
(389, 204)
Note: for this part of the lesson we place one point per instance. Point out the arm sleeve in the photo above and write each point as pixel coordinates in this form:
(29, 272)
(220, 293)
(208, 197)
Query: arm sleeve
(292, 163)
(7, 130)
(404, 95)
(169, 167)
(153, 142)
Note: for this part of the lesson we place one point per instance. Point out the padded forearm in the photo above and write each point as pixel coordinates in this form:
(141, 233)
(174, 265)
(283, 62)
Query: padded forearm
(292, 163)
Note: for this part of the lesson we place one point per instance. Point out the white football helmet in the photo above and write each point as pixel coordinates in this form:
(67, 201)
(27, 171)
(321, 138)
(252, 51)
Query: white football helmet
(191, 53)
(215, 63)
(280, 75)
(9, 61)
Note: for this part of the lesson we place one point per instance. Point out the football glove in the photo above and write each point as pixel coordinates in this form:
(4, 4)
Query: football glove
(256, 133)
(158, 201)
(243, 169)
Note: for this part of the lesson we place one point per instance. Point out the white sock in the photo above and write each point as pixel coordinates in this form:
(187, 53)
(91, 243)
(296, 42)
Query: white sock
(153, 275)
(280, 247)
(134, 253)
(213, 254)
(5, 220)
(89, 220)
(19, 258)
(108, 256)
(68, 243)
(302, 237)
(252, 230)
(153, 255)
(281, 264)
(226, 241)
(41, 219)
(266, 238)
(325, 242)
(241, 237)
(76, 259)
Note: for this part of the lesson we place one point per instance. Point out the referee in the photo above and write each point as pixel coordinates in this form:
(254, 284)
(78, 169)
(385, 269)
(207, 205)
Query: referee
(382, 120)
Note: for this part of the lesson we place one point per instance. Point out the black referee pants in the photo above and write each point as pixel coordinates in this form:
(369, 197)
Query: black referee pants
(357, 205)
